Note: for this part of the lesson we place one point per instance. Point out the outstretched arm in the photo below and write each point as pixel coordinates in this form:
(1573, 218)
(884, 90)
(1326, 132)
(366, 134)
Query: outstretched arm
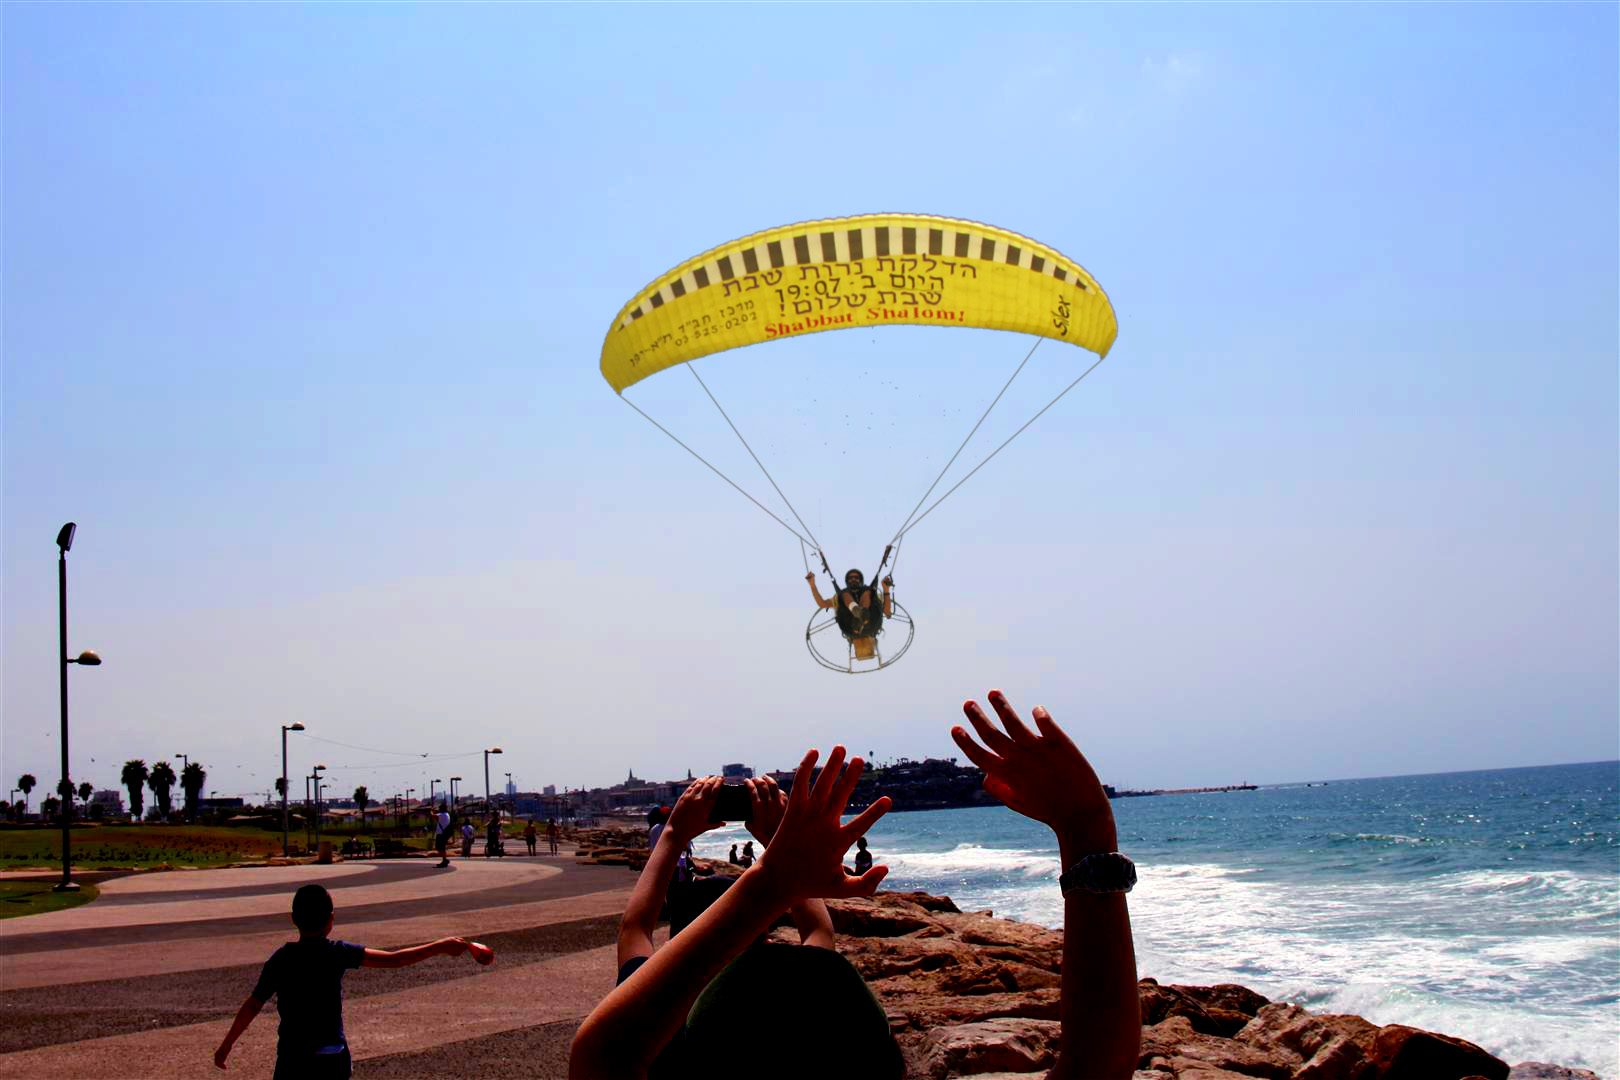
(626, 1031)
(689, 818)
(888, 597)
(1044, 776)
(810, 917)
(815, 592)
(244, 1016)
(415, 954)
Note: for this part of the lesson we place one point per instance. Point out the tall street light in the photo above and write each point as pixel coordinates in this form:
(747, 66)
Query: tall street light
(294, 726)
(431, 785)
(491, 750)
(64, 544)
(454, 780)
(184, 761)
(309, 807)
(508, 792)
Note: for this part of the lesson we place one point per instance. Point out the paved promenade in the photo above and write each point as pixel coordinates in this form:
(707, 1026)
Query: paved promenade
(143, 981)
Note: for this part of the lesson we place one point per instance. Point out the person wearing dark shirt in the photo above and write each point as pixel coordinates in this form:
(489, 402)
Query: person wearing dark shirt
(306, 979)
(863, 857)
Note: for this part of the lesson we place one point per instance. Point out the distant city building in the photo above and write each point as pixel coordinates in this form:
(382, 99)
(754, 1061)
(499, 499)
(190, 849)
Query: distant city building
(511, 789)
(736, 771)
(110, 801)
(549, 790)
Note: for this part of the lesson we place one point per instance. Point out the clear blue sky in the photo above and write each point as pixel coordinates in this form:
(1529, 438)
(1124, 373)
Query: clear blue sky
(302, 315)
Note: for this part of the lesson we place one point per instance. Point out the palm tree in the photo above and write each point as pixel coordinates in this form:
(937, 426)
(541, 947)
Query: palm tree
(134, 778)
(362, 799)
(25, 784)
(64, 790)
(85, 791)
(160, 780)
(192, 779)
(48, 806)
(281, 787)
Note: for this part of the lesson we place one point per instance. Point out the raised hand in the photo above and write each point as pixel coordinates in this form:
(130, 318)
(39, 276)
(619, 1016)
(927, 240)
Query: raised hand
(691, 814)
(806, 855)
(1042, 776)
(768, 806)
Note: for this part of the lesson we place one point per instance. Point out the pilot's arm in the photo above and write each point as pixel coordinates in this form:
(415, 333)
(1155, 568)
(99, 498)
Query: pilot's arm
(815, 592)
(888, 596)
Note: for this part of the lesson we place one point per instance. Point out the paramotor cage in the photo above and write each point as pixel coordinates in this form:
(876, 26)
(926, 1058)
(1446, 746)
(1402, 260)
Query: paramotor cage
(822, 637)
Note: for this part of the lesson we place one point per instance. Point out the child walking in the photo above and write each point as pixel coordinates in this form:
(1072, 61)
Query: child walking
(306, 977)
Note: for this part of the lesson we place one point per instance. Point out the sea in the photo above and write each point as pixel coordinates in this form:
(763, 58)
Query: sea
(1484, 905)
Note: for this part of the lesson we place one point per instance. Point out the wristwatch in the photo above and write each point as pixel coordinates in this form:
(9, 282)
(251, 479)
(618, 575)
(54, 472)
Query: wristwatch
(1105, 872)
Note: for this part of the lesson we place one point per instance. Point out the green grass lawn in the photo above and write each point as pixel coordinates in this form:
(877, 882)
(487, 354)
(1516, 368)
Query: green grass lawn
(96, 846)
(138, 845)
(33, 897)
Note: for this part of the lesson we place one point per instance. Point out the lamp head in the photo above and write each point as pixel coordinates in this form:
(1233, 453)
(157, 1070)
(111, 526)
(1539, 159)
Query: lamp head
(64, 538)
(493, 750)
(296, 725)
(89, 658)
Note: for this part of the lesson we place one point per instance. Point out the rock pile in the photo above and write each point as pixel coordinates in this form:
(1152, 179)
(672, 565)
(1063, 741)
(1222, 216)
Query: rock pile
(971, 995)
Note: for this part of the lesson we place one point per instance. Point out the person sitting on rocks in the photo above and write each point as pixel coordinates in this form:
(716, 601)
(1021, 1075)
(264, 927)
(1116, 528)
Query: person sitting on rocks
(747, 858)
(733, 858)
(863, 857)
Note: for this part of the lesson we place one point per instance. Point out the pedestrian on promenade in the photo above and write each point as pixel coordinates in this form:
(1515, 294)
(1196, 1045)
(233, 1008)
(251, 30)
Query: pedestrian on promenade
(306, 979)
(441, 835)
(467, 834)
(551, 834)
(531, 835)
(492, 836)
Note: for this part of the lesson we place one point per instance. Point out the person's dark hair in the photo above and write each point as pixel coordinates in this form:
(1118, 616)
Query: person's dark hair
(856, 574)
(770, 989)
(312, 906)
(657, 816)
(861, 843)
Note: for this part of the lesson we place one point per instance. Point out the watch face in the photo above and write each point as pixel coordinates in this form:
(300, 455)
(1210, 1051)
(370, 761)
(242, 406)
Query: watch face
(1109, 872)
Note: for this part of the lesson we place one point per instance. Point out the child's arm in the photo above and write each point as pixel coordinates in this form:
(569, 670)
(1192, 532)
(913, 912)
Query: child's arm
(689, 818)
(809, 916)
(815, 926)
(244, 1016)
(398, 958)
(627, 1030)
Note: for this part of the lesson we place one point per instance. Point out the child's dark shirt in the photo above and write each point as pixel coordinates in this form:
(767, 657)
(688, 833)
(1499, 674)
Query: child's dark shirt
(306, 977)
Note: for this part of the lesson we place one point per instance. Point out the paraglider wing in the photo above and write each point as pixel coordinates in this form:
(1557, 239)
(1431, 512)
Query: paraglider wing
(852, 272)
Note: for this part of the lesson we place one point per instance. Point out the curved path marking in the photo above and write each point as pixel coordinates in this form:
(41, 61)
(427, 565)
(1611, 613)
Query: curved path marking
(65, 981)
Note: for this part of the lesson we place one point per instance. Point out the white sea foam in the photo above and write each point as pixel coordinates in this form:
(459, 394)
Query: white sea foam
(1479, 954)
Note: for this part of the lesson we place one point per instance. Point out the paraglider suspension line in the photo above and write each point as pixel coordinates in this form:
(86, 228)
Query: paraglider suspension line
(755, 456)
(904, 525)
(716, 471)
(999, 449)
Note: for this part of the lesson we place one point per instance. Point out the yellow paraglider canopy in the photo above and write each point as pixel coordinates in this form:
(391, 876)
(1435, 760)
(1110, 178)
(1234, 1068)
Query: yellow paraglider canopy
(843, 273)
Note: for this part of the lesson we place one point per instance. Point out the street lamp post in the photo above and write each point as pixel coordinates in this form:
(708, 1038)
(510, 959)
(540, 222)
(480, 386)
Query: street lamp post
(491, 750)
(454, 780)
(313, 809)
(431, 785)
(64, 544)
(184, 761)
(508, 792)
(294, 726)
